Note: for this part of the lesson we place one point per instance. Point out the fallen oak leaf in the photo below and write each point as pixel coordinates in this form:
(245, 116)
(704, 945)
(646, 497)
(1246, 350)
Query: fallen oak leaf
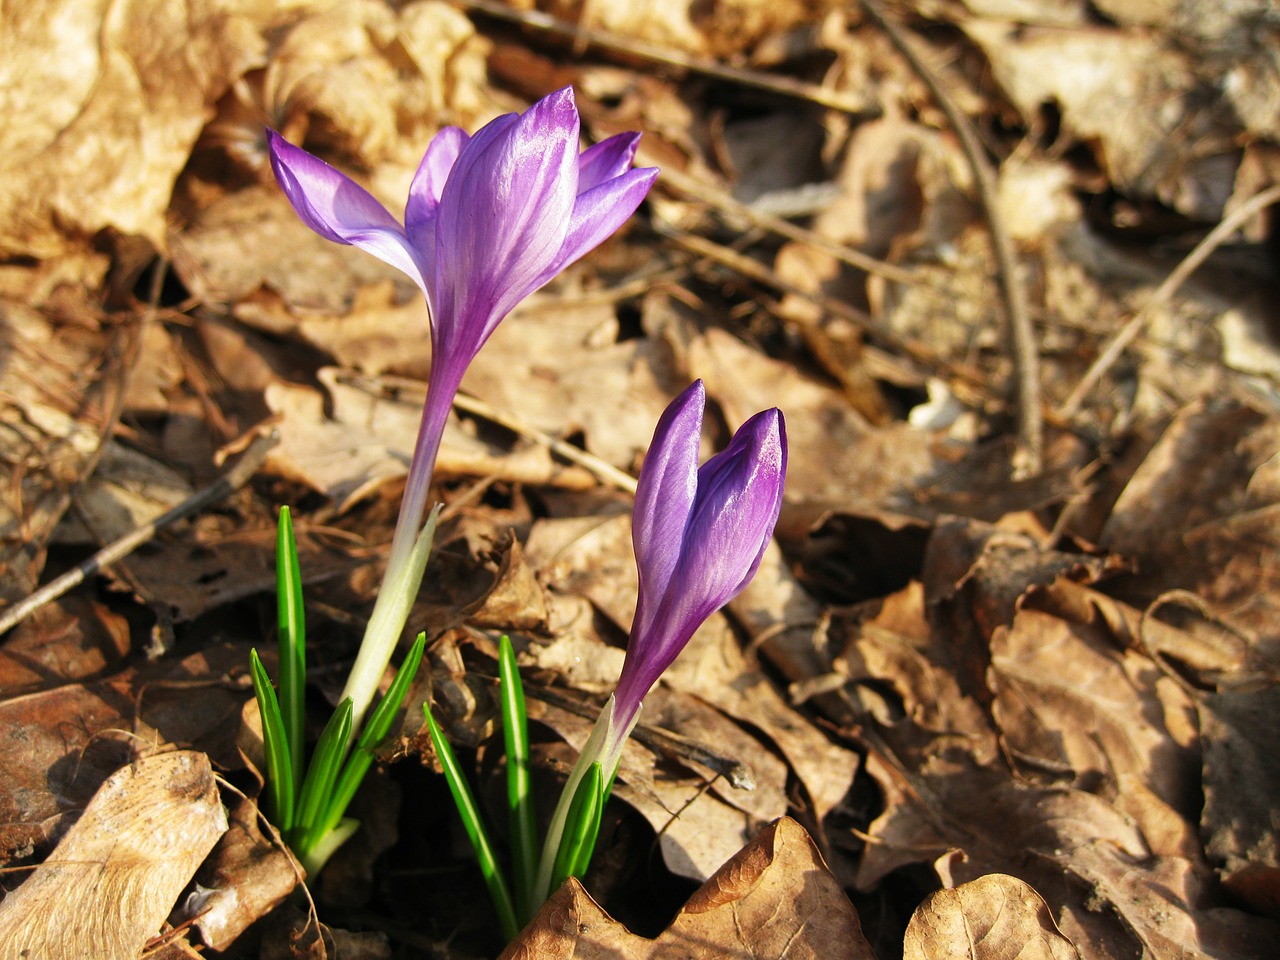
(108, 886)
(775, 898)
(994, 916)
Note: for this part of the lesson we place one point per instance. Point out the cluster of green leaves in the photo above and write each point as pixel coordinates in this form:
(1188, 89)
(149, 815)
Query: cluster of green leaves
(516, 902)
(307, 802)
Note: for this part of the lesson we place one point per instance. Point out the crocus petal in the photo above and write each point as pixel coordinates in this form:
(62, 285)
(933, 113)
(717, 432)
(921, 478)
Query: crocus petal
(606, 160)
(339, 209)
(427, 188)
(665, 496)
(503, 217)
(739, 498)
(602, 210)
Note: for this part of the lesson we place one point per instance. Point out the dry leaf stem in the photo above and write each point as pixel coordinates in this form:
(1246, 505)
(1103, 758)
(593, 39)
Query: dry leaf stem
(1180, 274)
(1024, 351)
(786, 86)
(706, 193)
(605, 472)
(737, 773)
(758, 272)
(224, 486)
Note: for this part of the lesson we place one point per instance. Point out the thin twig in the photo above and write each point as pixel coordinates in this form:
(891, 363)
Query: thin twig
(738, 773)
(1024, 353)
(760, 273)
(1181, 273)
(604, 471)
(705, 192)
(224, 486)
(784, 86)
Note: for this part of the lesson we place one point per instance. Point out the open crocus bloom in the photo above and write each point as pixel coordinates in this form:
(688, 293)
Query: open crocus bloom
(699, 535)
(490, 218)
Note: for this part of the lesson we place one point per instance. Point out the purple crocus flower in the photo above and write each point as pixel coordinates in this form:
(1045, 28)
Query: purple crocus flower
(490, 218)
(699, 535)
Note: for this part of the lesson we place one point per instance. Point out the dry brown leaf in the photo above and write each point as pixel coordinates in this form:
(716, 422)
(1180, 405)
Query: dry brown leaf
(775, 898)
(373, 82)
(104, 104)
(833, 455)
(992, 918)
(74, 639)
(216, 561)
(1068, 701)
(1215, 469)
(1241, 823)
(714, 667)
(252, 241)
(1130, 94)
(63, 742)
(60, 386)
(947, 787)
(246, 876)
(566, 367)
(108, 886)
(365, 440)
(127, 490)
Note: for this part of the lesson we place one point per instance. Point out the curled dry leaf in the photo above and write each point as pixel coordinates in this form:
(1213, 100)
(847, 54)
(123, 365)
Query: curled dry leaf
(107, 888)
(103, 104)
(775, 898)
(991, 918)
(246, 876)
(61, 743)
(1130, 94)
(60, 385)
(1214, 468)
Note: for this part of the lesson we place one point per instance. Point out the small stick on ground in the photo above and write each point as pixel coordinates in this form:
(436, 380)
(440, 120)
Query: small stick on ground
(224, 486)
(1181, 273)
(1024, 353)
(731, 206)
(605, 472)
(786, 86)
(758, 272)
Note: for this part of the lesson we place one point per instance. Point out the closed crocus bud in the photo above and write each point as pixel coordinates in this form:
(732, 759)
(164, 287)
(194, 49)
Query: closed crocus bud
(699, 533)
(490, 218)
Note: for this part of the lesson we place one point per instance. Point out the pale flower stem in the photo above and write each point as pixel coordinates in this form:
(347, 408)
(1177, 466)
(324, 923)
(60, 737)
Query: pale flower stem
(410, 546)
(603, 746)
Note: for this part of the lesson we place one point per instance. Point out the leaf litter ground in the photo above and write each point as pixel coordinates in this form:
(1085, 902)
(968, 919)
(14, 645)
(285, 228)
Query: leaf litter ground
(1007, 683)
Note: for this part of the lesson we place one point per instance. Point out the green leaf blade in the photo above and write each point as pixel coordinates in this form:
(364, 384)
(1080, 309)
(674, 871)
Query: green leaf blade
(276, 745)
(322, 774)
(293, 637)
(520, 810)
(581, 828)
(474, 827)
(375, 732)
